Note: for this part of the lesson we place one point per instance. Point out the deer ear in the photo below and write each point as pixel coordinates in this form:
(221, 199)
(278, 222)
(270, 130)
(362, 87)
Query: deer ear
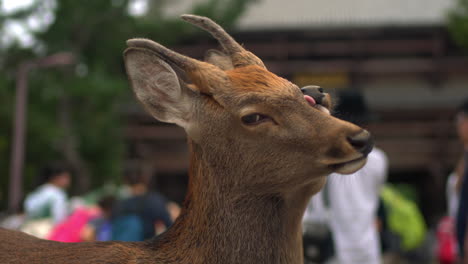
(157, 86)
(219, 59)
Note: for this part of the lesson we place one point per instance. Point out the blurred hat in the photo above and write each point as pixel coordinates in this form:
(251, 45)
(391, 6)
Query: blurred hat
(352, 107)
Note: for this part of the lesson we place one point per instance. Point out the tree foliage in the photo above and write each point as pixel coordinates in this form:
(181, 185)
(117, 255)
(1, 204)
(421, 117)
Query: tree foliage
(75, 112)
(458, 23)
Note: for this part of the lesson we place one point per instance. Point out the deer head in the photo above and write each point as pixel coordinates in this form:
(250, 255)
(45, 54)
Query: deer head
(239, 116)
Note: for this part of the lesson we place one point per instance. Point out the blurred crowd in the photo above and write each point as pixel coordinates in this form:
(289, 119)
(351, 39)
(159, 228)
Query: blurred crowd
(359, 218)
(362, 218)
(133, 212)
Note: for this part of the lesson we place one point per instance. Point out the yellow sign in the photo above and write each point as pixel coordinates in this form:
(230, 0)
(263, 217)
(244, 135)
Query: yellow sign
(339, 80)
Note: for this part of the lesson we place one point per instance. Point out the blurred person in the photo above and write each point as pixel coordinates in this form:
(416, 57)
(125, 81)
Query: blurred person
(145, 211)
(100, 227)
(462, 211)
(354, 202)
(49, 200)
(453, 188)
(70, 229)
(447, 246)
(353, 199)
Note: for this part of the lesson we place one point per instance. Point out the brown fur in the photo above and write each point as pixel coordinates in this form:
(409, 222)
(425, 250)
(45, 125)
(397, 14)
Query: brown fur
(249, 184)
(253, 78)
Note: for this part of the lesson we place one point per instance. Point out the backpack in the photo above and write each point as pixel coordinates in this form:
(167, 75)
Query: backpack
(446, 241)
(127, 228)
(317, 237)
(403, 218)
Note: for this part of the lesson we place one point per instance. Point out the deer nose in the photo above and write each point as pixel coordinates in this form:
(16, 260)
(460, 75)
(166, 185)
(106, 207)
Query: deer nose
(362, 142)
(315, 92)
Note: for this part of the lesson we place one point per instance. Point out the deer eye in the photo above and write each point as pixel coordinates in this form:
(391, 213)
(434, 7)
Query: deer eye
(254, 119)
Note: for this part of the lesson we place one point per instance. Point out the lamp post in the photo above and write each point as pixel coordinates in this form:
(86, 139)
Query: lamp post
(19, 125)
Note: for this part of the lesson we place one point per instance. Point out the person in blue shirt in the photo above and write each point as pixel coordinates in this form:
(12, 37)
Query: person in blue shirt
(150, 207)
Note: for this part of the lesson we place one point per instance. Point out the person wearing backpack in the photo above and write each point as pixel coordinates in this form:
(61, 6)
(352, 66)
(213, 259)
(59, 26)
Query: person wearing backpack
(142, 215)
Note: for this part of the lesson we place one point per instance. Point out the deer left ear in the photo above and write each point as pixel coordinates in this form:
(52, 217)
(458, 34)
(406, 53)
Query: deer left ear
(157, 87)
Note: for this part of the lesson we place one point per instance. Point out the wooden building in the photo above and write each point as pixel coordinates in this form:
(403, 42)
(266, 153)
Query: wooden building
(410, 71)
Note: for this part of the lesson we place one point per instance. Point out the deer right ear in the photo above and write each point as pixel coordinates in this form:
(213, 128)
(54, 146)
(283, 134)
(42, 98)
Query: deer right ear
(157, 86)
(219, 59)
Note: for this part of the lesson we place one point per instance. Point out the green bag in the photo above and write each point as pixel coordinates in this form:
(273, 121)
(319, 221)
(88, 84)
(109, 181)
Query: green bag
(404, 218)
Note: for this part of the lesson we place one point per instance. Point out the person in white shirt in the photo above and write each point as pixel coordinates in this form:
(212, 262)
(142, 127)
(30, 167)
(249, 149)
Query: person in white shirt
(49, 199)
(353, 200)
(453, 188)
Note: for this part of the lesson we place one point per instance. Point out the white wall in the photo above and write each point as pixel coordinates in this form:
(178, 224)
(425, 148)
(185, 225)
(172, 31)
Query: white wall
(274, 14)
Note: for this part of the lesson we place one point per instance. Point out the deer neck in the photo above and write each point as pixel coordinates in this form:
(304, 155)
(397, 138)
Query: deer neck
(220, 224)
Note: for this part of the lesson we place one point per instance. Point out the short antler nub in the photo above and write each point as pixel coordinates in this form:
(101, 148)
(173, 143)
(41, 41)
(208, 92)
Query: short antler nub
(239, 56)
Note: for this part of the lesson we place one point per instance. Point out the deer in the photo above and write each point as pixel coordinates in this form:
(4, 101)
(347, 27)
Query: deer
(260, 147)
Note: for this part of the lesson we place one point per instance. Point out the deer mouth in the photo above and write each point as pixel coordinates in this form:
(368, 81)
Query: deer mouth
(349, 167)
(322, 109)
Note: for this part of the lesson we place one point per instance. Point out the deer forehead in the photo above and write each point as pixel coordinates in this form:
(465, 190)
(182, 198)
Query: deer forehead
(258, 80)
